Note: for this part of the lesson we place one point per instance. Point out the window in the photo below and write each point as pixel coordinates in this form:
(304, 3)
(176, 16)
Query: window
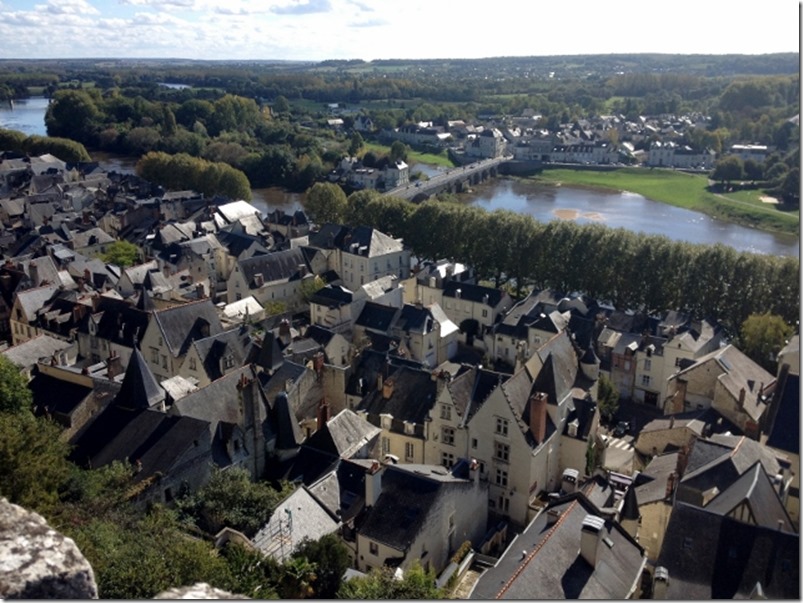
(677, 361)
(501, 426)
(645, 379)
(374, 548)
(447, 436)
(485, 313)
(647, 364)
(504, 504)
(501, 452)
(446, 412)
(192, 363)
(447, 459)
(474, 443)
(501, 478)
(155, 356)
(164, 361)
(385, 445)
(451, 521)
(409, 450)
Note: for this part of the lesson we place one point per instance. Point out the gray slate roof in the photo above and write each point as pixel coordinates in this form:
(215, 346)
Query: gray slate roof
(181, 325)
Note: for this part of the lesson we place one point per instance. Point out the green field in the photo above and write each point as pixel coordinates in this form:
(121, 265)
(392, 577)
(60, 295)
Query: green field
(684, 190)
(412, 156)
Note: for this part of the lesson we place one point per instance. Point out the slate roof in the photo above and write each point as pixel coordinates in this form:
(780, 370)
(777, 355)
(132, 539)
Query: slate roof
(711, 556)
(413, 394)
(70, 395)
(409, 494)
(180, 325)
(564, 367)
(32, 300)
(211, 350)
(41, 347)
(307, 519)
(471, 388)
(275, 266)
(784, 433)
(139, 388)
(375, 243)
(650, 484)
(343, 434)
(332, 296)
(545, 562)
(474, 293)
(369, 365)
(377, 317)
(755, 490)
(118, 322)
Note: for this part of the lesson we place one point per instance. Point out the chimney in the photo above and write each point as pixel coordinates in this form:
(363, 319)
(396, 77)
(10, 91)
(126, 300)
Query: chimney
(373, 484)
(387, 389)
(590, 537)
(474, 470)
(114, 365)
(284, 329)
(670, 484)
(323, 413)
(199, 291)
(660, 583)
(33, 272)
(671, 422)
(538, 416)
(741, 398)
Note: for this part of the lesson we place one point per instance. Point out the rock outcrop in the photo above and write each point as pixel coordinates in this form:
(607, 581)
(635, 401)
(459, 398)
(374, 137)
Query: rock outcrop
(200, 590)
(37, 562)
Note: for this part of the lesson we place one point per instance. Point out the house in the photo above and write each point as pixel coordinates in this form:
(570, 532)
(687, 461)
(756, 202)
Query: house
(707, 554)
(419, 514)
(271, 278)
(671, 154)
(426, 334)
(209, 358)
(755, 152)
(395, 174)
(237, 415)
(654, 488)
(42, 348)
(727, 381)
(132, 277)
(489, 144)
(400, 406)
(24, 319)
(673, 432)
(360, 255)
(114, 327)
(172, 330)
(568, 551)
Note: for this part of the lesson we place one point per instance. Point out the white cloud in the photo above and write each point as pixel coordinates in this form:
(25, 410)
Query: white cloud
(68, 7)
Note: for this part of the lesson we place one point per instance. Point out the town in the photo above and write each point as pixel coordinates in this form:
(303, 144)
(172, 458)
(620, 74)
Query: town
(426, 419)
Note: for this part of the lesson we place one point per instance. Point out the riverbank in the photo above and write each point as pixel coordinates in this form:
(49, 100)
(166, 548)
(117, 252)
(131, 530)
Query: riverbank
(680, 189)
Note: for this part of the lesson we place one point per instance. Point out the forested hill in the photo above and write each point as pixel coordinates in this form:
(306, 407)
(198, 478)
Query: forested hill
(561, 66)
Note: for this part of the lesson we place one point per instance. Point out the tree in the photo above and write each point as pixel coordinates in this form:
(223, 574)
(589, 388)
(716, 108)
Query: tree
(356, 144)
(232, 499)
(728, 169)
(121, 253)
(331, 558)
(762, 336)
(309, 286)
(281, 105)
(753, 170)
(791, 186)
(15, 397)
(607, 398)
(398, 151)
(71, 114)
(381, 583)
(326, 202)
(33, 460)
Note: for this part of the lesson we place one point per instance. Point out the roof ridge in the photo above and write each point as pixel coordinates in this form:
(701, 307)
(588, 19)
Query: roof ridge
(537, 548)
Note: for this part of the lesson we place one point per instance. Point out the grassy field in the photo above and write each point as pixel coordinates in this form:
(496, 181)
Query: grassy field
(412, 156)
(684, 190)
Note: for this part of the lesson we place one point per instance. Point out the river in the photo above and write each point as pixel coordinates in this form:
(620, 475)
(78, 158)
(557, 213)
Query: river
(544, 202)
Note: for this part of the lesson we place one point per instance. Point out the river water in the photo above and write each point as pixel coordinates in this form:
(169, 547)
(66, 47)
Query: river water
(543, 202)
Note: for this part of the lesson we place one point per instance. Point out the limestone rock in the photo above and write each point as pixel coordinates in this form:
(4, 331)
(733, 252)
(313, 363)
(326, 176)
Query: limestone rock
(200, 590)
(37, 562)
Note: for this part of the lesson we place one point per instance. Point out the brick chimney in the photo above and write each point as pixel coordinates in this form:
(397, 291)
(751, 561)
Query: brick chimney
(373, 484)
(114, 365)
(323, 413)
(538, 416)
(387, 389)
(670, 484)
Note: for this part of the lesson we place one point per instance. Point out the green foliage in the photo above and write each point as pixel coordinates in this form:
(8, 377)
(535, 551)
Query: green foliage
(232, 499)
(380, 583)
(273, 308)
(331, 559)
(607, 397)
(728, 169)
(182, 171)
(297, 577)
(136, 557)
(33, 465)
(72, 114)
(398, 151)
(63, 148)
(326, 202)
(121, 253)
(309, 286)
(356, 144)
(15, 397)
(253, 574)
(461, 553)
(762, 336)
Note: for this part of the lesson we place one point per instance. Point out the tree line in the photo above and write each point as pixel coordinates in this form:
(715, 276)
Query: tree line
(651, 273)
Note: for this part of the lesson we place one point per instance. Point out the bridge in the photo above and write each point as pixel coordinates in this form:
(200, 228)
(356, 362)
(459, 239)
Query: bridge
(452, 180)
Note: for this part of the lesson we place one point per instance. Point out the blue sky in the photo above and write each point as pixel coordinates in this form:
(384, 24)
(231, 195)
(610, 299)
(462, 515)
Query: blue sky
(382, 29)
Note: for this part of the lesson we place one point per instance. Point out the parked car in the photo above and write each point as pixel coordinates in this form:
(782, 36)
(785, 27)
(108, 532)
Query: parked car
(622, 428)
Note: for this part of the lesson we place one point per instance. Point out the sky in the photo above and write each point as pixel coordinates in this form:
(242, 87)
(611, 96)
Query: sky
(316, 30)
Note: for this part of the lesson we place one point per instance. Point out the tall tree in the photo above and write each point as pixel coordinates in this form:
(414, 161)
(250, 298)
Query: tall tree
(762, 336)
(325, 202)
